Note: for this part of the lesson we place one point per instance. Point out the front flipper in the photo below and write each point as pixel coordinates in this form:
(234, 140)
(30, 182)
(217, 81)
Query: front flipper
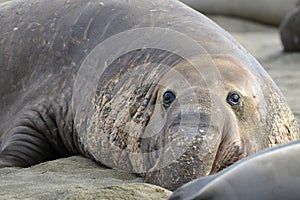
(37, 135)
(25, 146)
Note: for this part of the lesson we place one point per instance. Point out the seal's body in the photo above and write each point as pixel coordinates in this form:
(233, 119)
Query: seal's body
(151, 87)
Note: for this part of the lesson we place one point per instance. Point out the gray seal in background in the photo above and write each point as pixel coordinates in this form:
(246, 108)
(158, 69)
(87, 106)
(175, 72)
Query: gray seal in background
(264, 11)
(290, 31)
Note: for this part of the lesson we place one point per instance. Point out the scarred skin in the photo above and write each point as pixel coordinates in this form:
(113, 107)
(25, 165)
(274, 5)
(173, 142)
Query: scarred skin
(223, 104)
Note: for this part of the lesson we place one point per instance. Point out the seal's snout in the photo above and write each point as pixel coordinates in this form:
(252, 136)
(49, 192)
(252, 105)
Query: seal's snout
(188, 142)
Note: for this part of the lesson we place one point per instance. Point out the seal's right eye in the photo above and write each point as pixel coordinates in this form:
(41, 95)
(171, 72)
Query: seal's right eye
(233, 98)
(168, 97)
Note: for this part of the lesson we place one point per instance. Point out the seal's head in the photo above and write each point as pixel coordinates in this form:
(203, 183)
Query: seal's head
(174, 120)
(221, 114)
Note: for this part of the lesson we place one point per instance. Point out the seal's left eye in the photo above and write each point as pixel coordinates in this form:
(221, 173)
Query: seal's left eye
(168, 97)
(233, 98)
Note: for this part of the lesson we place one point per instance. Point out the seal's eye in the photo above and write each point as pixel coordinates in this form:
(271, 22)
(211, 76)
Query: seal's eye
(168, 97)
(233, 98)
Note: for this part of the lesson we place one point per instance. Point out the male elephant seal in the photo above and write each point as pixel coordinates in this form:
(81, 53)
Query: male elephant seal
(264, 11)
(151, 87)
(290, 31)
(273, 174)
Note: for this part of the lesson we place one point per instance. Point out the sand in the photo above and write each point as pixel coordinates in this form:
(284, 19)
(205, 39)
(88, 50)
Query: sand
(74, 178)
(79, 178)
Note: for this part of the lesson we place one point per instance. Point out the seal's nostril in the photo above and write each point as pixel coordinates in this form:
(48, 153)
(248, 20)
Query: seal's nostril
(199, 121)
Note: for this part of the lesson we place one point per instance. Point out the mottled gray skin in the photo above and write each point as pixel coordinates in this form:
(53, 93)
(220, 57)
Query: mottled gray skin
(290, 31)
(43, 45)
(273, 174)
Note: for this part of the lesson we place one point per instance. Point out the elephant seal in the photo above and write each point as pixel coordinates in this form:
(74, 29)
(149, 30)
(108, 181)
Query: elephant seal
(271, 174)
(151, 87)
(264, 11)
(290, 31)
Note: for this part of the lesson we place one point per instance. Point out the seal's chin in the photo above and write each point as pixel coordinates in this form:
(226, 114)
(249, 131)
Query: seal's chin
(192, 164)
